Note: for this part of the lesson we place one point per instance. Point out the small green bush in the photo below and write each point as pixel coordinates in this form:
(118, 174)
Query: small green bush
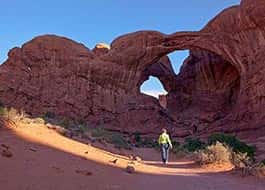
(177, 148)
(110, 137)
(138, 139)
(82, 128)
(144, 142)
(149, 143)
(98, 132)
(118, 140)
(49, 115)
(193, 144)
(65, 123)
(2, 111)
(233, 142)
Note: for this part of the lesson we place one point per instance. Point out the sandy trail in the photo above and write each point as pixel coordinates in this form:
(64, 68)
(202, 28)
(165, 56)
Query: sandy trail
(44, 160)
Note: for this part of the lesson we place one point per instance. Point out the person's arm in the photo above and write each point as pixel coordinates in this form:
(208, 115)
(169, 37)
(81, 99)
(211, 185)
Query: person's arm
(159, 140)
(169, 142)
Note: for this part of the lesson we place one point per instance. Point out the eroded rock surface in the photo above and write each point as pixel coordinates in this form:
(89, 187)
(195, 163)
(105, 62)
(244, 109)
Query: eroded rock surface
(220, 86)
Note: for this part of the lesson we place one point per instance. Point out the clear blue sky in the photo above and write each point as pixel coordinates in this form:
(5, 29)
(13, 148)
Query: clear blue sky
(93, 21)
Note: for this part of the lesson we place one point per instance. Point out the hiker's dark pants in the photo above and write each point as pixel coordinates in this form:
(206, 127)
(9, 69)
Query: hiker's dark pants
(164, 152)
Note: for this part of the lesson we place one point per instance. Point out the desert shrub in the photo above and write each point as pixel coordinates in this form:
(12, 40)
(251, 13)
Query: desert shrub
(193, 144)
(12, 114)
(38, 120)
(82, 128)
(98, 132)
(259, 171)
(175, 143)
(262, 163)
(221, 153)
(138, 139)
(144, 142)
(65, 123)
(2, 111)
(177, 148)
(216, 153)
(149, 143)
(118, 140)
(1, 121)
(49, 115)
(237, 145)
(241, 160)
(111, 137)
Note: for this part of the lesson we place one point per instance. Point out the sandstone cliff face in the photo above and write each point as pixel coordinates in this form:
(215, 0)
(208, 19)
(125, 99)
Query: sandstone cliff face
(56, 75)
(220, 86)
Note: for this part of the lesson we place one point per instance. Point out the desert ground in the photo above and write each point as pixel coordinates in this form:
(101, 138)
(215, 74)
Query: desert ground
(42, 159)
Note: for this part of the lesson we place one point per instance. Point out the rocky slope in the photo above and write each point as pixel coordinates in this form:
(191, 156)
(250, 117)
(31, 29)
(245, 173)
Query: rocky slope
(220, 86)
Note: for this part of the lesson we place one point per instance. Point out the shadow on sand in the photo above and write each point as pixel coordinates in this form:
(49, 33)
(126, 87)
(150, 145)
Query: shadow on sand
(41, 166)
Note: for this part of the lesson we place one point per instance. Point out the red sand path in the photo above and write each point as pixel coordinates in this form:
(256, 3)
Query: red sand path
(45, 160)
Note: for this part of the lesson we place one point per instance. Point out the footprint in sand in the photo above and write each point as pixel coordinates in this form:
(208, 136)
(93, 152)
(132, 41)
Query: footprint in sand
(5, 146)
(58, 170)
(83, 172)
(5, 151)
(33, 149)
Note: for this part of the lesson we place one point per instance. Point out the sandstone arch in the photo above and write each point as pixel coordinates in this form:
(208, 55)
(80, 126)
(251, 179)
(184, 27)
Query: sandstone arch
(55, 74)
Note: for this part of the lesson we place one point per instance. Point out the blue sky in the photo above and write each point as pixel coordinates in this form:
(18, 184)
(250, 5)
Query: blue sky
(96, 21)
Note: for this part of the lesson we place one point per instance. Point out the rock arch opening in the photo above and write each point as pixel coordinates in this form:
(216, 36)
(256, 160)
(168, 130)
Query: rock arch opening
(153, 87)
(207, 86)
(177, 58)
(157, 80)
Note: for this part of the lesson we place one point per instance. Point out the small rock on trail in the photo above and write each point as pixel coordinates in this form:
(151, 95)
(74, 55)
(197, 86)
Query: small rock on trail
(130, 169)
(137, 158)
(114, 161)
(7, 153)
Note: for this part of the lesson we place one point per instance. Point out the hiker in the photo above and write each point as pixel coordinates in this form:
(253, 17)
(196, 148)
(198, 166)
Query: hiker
(165, 143)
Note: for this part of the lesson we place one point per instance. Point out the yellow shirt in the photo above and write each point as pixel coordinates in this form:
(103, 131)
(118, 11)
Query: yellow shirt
(164, 139)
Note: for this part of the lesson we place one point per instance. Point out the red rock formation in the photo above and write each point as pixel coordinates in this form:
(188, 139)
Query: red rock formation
(220, 86)
(163, 101)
